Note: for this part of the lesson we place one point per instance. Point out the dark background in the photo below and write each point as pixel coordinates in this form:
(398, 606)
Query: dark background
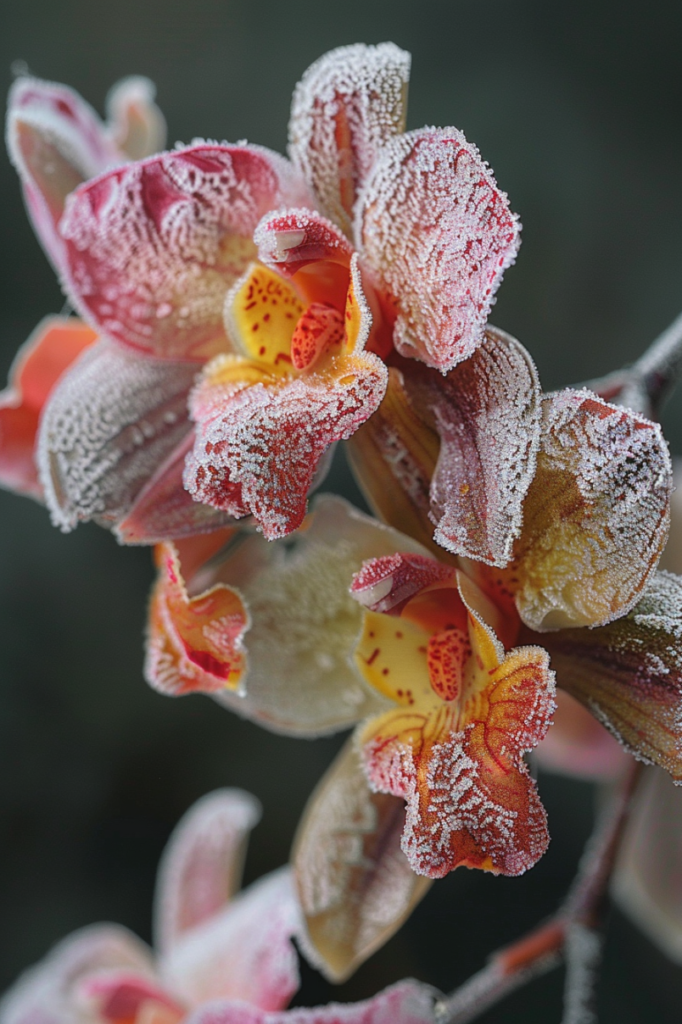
(578, 108)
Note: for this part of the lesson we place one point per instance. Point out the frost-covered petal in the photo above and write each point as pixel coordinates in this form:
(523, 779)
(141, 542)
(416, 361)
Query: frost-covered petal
(596, 515)
(348, 104)
(194, 644)
(54, 344)
(629, 673)
(578, 746)
(135, 124)
(408, 1002)
(354, 883)
(201, 867)
(48, 992)
(244, 953)
(56, 141)
(437, 234)
(647, 882)
(153, 247)
(487, 414)
(112, 418)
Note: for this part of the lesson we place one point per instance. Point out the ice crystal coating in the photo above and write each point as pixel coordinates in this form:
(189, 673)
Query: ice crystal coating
(290, 241)
(437, 234)
(56, 141)
(111, 420)
(386, 584)
(153, 247)
(596, 516)
(354, 883)
(348, 104)
(136, 125)
(629, 673)
(52, 347)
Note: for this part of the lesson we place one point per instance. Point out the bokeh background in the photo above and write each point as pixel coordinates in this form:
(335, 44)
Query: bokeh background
(578, 108)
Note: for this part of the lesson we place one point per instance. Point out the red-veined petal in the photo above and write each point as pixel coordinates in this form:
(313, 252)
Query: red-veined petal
(348, 104)
(135, 123)
(437, 234)
(596, 516)
(54, 344)
(354, 883)
(153, 247)
(201, 867)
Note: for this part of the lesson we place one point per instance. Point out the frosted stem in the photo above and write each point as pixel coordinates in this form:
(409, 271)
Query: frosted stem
(573, 934)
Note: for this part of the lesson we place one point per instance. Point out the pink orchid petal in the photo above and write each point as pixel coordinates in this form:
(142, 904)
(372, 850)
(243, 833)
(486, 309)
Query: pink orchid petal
(628, 673)
(354, 883)
(112, 418)
(118, 997)
(52, 347)
(408, 1002)
(56, 142)
(437, 234)
(243, 953)
(348, 104)
(135, 124)
(487, 412)
(600, 500)
(201, 867)
(48, 993)
(578, 746)
(386, 584)
(164, 509)
(152, 248)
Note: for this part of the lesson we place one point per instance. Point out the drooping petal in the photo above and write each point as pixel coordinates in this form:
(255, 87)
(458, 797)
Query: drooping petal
(264, 432)
(647, 882)
(487, 414)
(354, 883)
(596, 515)
(135, 124)
(56, 142)
(108, 424)
(152, 248)
(194, 644)
(245, 953)
(578, 746)
(629, 673)
(408, 1002)
(201, 867)
(348, 104)
(54, 344)
(437, 234)
(164, 509)
(48, 992)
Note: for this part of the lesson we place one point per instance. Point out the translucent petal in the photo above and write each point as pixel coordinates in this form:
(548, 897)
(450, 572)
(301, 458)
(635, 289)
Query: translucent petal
(244, 953)
(152, 248)
(48, 992)
(56, 141)
(408, 1002)
(354, 883)
(194, 644)
(437, 234)
(201, 867)
(108, 424)
(487, 414)
(629, 673)
(578, 746)
(596, 515)
(135, 123)
(348, 104)
(647, 883)
(54, 344)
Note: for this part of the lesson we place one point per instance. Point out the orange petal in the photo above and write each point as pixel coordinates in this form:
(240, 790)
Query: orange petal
(52, 347)
(628, 673)
(195, 644)
(348, 104)
(354, 883)
(596, 516)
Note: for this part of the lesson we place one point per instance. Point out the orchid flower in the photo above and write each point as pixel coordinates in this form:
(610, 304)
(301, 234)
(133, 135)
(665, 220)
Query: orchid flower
(220, 957)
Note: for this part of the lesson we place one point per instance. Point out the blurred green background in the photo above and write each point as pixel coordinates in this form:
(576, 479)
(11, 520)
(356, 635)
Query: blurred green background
(578, 108)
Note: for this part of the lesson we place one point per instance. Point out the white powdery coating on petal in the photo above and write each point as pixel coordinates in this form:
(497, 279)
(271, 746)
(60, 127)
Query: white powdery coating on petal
(108, 424)
(437, 234)
(365, 84)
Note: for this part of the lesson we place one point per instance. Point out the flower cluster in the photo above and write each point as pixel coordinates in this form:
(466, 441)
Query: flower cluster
(242, 313)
